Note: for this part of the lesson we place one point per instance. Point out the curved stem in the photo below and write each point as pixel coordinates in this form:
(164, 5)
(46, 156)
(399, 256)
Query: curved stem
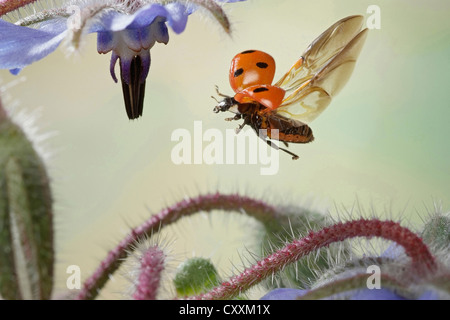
(3, 114)
(252, 207)
(11, 5)
(150, 269)
(42, 16)
(422, 260)
(216, 10)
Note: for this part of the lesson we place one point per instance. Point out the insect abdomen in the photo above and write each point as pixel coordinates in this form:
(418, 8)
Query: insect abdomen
(288, 132)
(301, 135)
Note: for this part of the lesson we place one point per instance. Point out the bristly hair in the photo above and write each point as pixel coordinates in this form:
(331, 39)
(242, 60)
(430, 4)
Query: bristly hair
(132, 268)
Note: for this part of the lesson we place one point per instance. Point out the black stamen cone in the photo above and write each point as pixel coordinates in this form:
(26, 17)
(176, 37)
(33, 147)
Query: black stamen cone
(133, 92)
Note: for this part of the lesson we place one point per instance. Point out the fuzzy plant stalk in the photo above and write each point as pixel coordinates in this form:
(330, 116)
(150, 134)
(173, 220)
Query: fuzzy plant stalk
(26, 217)
(152, 264)
(422, 260)
(11, 5)
(206, 203)
(297, 221)
(421, 265)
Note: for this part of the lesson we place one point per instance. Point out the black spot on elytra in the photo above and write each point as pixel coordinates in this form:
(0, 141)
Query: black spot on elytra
(260, 89)
(247, 51)
(238, 72)
(262, 65)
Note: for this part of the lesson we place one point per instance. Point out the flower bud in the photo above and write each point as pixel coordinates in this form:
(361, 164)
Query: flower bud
(437, 231)
(194, 276)
(26, 231)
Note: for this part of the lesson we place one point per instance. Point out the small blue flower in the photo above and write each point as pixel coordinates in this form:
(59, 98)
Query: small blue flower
(366, 294)
(395, 253)
(284, 294)
(127, 28)
(130, 39)
(375, 294)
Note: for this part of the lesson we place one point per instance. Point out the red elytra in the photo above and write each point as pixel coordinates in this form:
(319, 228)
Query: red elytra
(267, 95)
(251, 75)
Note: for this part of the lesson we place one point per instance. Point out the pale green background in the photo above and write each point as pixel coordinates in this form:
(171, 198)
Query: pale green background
(383, 140)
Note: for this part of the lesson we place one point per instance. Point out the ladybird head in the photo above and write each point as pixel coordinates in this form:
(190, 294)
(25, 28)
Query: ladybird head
(249, 68)
(225, 105)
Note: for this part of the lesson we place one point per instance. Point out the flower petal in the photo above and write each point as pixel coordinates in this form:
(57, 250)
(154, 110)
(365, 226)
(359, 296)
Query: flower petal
(21, 46)
(284, 294)
(112, 64)
(132, 39)
(105, 42)
(178, 16)
(15, 71)
(145, 60)
(394, 251)
(159, 32)
(376, 294)
(174, 13)
(429, 295)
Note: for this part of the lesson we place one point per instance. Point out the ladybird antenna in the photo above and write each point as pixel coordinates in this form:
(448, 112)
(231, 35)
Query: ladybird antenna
(220, 94)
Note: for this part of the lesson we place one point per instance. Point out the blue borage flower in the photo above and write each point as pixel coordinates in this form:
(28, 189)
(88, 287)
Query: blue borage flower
(127, 28)
(393, 252)
(365, 294)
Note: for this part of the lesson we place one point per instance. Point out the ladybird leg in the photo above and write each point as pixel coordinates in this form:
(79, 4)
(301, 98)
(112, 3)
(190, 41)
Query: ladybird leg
(286, 144)
(236, 117)
(238, 129)
(273, 145)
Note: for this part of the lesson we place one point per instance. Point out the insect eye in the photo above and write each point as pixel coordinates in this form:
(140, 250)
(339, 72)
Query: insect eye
(238, 72)
(262, 65)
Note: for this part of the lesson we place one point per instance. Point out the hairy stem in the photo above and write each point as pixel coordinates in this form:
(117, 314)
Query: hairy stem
(151, 267)
(3, 115)
(422, 260)
(42, 16)
(216, 10)
(11, 5)
(236, 203)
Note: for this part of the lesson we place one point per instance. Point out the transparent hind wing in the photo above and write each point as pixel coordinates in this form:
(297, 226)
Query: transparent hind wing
(306, 106)
(322, 49)
(310, 99)
(322, 71)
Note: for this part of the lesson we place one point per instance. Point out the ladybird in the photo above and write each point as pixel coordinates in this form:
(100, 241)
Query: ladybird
(249, 68)
(302, 94)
